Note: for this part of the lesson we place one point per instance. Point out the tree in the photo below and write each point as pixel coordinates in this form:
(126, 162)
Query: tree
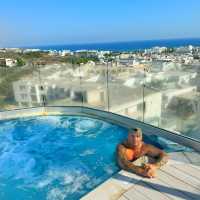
(169, 50)
(20, 62)
(76, 60)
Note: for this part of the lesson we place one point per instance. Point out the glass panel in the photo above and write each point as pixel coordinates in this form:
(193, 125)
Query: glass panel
(94, 85)
(152, 106)
(19, 87)
(62, 84)
(177, 96)
(125, 90)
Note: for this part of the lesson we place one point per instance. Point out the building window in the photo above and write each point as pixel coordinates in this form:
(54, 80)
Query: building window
(22, 87)
(32, 89)
(34, 98)
(23, 96)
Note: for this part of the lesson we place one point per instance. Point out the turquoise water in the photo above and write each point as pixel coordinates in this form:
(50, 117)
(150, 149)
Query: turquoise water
(59, 157)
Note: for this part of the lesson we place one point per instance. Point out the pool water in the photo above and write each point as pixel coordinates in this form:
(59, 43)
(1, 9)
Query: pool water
(59, 157)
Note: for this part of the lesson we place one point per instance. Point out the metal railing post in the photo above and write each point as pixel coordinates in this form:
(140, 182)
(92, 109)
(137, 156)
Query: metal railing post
(107, 87)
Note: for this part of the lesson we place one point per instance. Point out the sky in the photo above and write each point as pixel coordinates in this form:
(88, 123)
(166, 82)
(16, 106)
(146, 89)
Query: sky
(51, 22)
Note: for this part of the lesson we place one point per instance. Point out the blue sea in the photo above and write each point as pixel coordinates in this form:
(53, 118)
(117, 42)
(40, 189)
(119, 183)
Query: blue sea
(124, 46)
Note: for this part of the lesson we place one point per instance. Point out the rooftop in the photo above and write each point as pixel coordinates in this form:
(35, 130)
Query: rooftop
(178, 180)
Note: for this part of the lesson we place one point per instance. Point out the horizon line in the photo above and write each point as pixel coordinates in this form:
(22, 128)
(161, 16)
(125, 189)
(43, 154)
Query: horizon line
(110, 42)
(99, 43)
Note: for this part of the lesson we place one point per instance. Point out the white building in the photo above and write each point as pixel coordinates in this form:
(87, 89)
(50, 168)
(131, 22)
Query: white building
(65, 53)
(27, 93)
(156, 50)
(32, 93)
(124, 56)
(31, 50)
(101, 54)
(136, 103)
(10, 62)
(2, 50)
(53, 53)
(186, 49)
(15, 50)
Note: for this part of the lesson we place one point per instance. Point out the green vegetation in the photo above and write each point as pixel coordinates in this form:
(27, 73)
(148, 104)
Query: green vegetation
(78, 60)
(109, 57)
(20, 62)
(169, 50)
(45, 58)
(32, 55)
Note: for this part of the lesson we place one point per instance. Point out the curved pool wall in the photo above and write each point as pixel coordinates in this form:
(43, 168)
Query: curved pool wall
(103, 115)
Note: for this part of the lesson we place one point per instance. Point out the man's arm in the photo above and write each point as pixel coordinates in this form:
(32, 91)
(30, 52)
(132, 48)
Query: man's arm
(160, 156)
(126, 164)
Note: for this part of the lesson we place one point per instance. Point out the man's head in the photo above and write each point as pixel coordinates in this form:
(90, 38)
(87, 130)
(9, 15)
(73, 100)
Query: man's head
(135, 137)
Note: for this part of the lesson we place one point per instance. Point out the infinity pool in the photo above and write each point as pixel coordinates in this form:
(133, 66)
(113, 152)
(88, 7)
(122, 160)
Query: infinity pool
(59, 157)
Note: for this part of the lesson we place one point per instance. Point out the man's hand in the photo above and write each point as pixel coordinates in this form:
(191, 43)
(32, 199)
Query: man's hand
(150, 166)
(149, 171)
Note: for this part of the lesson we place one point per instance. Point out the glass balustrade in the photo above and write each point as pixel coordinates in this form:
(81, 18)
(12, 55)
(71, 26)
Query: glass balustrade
(175, 100)
(21, 87)
(166, 99)
(125, 89)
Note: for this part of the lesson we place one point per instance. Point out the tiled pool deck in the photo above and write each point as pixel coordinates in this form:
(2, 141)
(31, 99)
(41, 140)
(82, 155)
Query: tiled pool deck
(179, 179)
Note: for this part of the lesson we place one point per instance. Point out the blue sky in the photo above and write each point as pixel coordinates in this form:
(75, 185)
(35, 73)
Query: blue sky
(43, 22)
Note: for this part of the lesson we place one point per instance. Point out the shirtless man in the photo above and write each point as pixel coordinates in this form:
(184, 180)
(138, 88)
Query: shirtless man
(135, 156)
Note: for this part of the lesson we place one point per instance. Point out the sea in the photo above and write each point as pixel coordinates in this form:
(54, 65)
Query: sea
(122, 46)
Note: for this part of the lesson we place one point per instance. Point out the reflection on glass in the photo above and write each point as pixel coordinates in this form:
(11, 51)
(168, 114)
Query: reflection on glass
(177, 85)
(61, 84)
(125, 90)
(162, 93)
(16, 87)
(93, 84)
